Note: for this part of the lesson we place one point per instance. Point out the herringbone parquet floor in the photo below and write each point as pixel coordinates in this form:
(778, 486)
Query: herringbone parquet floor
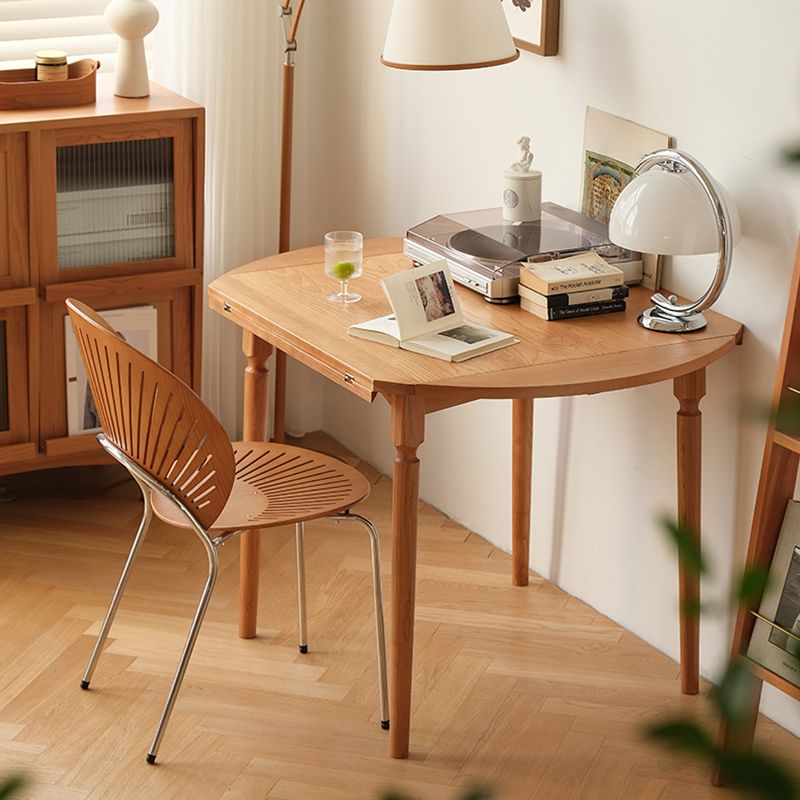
(528, 689)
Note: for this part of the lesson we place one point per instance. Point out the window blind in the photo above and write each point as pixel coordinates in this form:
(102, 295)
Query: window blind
(76, 26)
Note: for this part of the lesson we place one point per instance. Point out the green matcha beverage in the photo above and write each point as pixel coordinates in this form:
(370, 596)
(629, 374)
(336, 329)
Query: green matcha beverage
(344, 256)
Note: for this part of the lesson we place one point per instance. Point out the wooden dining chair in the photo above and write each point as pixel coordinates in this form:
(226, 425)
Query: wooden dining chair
(192, 476)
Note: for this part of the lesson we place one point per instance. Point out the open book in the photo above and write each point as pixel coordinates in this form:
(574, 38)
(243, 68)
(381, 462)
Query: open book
(427, 318)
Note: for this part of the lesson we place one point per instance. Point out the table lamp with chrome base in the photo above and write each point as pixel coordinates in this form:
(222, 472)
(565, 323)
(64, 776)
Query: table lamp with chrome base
(674, 207)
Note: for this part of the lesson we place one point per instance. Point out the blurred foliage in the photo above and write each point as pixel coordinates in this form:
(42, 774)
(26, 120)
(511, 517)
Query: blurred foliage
(753, 773)
(792, 155)
(469, 794)
(785, 418)
(9, 786)
(688, 547)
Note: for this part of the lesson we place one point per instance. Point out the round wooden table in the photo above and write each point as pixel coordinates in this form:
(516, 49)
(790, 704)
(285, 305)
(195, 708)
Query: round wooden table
(279, 302)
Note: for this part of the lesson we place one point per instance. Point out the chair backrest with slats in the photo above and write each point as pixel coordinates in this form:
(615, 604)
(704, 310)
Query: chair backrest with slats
(155, 418)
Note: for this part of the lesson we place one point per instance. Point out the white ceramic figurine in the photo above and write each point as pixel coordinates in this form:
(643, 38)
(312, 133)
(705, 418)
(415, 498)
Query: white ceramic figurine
(526, 155)
(131, 20)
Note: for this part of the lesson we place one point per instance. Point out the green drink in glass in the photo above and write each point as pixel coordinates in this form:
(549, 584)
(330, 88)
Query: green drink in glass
(344, 256)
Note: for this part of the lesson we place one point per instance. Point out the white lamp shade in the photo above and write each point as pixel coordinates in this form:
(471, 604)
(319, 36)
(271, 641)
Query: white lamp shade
(668, 213)
(448, 34)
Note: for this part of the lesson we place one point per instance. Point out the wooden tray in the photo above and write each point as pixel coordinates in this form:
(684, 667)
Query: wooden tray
(20, 89)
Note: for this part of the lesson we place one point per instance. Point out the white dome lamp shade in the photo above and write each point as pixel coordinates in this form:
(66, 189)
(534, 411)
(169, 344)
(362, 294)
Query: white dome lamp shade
(674, 207)
(448, 34)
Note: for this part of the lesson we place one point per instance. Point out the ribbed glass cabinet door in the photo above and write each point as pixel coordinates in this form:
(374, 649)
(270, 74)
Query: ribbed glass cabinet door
(115, 202)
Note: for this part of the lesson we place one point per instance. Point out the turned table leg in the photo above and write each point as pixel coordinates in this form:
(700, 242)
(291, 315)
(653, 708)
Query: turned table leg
(279, 424)
(408, 431)
(521, 465)
(256, 384)
(689, 390)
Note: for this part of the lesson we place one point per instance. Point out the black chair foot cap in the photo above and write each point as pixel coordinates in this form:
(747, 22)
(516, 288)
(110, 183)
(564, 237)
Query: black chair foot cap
(303, 648)
(385, 724)
(84, 684)
(151, 759)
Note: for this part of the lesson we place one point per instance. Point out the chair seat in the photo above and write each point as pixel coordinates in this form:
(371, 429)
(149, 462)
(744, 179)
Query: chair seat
(277, 484)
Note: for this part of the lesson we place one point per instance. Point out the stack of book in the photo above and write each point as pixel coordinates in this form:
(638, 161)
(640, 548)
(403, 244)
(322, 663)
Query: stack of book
(577, 286)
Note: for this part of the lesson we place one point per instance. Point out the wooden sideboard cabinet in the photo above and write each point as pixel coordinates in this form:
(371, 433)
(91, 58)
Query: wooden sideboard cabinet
(104, 203)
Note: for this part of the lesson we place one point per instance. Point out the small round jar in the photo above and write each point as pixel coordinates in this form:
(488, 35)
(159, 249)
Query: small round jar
(522, 196)
(51, 65)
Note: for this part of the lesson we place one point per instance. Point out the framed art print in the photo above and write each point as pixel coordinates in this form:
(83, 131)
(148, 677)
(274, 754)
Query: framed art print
(137, 326)
(534, 24)
(612, 147)
(775, 643)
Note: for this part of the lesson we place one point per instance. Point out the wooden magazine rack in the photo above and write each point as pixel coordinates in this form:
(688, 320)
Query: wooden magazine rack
(775, 489)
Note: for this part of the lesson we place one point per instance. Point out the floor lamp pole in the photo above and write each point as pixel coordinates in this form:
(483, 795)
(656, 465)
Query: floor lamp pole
(291, 19)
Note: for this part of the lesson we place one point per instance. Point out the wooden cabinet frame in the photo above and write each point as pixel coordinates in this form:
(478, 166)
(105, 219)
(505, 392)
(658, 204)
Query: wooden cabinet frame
(15, 320)
(33, 287)
(13, 212)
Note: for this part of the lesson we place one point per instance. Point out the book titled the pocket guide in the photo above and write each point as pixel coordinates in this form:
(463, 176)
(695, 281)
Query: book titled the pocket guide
(426, 318)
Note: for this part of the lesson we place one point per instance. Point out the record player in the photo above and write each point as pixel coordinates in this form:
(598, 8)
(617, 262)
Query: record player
(484, 251)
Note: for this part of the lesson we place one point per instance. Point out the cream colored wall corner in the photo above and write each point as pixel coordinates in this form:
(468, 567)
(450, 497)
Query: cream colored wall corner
(380, 150)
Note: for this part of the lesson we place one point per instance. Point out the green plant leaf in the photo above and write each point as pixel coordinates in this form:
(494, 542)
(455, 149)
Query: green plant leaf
(682, 734)
(10, 786)
(476, 794)
(785, 417)
(688, 546)
(733, 697)
(694, 608)
(792, 154)
(760, 776)
(752, 585)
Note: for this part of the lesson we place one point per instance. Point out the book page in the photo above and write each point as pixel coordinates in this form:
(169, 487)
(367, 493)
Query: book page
(423, 300)
(383, 325)
(461, 339)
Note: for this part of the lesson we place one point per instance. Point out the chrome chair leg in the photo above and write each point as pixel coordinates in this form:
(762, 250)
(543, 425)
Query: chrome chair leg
(194, 630)
(299, 533)
(144, 525)
(377, 591)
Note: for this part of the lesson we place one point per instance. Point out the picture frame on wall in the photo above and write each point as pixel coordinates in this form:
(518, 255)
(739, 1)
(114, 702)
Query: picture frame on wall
(137, 325)
(534, 24)
(775, 643)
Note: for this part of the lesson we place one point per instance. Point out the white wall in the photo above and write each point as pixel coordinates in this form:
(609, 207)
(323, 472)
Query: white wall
(380, 150)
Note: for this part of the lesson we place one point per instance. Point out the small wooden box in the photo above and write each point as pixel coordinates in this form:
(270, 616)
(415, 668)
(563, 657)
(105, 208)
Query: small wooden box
(20, 89)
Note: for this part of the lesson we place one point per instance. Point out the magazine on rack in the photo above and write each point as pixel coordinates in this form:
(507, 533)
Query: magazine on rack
(426, 318)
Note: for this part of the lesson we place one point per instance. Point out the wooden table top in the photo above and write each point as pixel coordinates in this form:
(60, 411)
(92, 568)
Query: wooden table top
(282, 299)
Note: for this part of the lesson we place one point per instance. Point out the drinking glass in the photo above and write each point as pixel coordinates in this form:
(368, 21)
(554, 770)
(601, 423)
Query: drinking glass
(344, 256)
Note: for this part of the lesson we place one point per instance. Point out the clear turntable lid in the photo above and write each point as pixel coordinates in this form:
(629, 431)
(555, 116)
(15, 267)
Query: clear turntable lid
(486, 237)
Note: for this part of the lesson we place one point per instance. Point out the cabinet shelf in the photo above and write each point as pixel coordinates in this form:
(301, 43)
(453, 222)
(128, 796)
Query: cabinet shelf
(17, 453)
(786, 441)
(768, 676)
